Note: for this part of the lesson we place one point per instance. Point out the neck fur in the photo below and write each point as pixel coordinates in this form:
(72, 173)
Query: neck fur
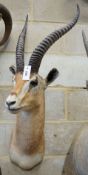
(29, 130)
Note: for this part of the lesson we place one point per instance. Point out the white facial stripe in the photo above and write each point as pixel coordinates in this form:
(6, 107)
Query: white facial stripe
(13, 80)
(24, 90)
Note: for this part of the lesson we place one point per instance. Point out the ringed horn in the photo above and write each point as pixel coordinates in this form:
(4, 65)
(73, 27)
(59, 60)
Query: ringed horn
(20, 48)
(6, 16)
(41, 49)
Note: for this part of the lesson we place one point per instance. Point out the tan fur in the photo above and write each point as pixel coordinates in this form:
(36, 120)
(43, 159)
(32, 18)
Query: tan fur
(27, 141)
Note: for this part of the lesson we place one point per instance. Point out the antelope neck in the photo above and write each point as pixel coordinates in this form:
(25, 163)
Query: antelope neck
(29, 129)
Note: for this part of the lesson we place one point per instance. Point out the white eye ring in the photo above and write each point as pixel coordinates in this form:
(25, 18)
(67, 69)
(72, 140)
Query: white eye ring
(13, 80)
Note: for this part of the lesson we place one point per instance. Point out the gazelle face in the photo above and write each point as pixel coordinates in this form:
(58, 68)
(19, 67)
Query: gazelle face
(25, 94)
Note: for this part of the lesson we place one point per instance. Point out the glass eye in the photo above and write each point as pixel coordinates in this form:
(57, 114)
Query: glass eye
(34, 83)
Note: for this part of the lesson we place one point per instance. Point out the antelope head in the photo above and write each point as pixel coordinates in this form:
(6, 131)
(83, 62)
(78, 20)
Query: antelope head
(27, 95)
(6, 16)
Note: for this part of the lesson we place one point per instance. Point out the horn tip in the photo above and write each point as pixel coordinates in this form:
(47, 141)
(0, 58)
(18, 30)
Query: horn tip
(26, 21)
(78, 8)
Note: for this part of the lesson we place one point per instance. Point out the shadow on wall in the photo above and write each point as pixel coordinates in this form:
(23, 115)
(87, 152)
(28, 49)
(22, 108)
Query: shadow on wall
(76, 162)
(68, 168)
(86, 1)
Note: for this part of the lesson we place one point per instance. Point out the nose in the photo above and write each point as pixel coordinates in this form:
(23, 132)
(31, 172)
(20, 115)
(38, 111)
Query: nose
(10, 103)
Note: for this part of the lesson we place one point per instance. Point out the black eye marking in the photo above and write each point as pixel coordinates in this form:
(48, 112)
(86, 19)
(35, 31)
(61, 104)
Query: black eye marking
(34, 83)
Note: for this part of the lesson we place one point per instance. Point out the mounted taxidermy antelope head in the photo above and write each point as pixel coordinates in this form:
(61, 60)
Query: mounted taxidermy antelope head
(6, 16)
(27, 100)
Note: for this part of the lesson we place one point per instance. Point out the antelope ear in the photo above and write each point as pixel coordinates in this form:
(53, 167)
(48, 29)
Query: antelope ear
(12, 69)
(52, 75)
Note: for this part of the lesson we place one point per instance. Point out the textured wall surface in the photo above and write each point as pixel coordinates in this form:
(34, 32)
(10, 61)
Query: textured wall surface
(67, 98)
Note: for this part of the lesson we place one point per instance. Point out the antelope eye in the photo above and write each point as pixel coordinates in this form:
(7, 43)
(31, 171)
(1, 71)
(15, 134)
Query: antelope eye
(34, 83)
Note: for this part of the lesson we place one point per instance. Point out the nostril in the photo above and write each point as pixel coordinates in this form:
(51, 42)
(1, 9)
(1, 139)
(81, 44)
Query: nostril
(11, 103)
(7, 103)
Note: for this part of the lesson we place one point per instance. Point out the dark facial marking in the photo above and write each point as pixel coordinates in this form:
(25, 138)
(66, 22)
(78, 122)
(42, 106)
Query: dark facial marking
(34, 83)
